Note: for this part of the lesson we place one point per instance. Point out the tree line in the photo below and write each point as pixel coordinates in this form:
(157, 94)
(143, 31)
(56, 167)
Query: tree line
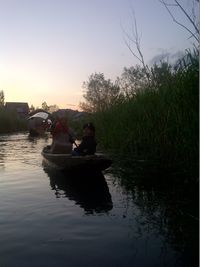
(44, 105)
(101, 94)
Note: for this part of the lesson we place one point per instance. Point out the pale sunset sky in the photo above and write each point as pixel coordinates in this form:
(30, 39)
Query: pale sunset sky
(48, 48)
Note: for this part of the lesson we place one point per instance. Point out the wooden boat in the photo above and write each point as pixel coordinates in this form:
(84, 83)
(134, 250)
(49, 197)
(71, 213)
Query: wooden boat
(39, 124)
(67, 161)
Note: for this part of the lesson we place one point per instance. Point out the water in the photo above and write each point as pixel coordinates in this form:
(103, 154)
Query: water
(50, 218)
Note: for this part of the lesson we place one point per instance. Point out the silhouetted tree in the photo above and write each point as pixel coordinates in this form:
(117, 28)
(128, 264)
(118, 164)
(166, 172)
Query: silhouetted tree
(53, 108)
(132, 80)
(99, 93)
(45, 106)
(2, 98)
(32, 108)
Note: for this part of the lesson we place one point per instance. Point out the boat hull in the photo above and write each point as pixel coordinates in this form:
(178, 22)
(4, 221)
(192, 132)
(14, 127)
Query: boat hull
(69, 162)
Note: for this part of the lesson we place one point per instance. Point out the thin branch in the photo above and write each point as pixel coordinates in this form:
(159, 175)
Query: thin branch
(186, 14)
(135, 39)
(177, 22)
(164, 3)
(131, 50)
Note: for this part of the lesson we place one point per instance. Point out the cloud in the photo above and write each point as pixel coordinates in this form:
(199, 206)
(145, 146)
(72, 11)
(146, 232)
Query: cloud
(167, 56)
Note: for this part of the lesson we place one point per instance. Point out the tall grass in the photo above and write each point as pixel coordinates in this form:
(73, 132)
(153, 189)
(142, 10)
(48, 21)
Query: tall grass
(160, 123)
(11, 122)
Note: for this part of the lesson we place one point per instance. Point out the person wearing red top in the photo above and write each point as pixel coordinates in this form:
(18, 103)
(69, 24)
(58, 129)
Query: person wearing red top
(62, 137)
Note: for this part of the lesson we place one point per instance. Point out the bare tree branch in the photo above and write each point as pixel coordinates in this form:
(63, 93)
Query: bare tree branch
(135, 39)
(177, 4)
(130, 49)
(186, 14)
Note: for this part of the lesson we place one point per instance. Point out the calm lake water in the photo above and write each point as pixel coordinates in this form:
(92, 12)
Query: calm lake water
(49, 218)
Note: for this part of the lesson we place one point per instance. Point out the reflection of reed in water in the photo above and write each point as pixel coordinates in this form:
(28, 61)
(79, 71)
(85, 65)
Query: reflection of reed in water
(89, 190)
(2, 154)
(171, 211)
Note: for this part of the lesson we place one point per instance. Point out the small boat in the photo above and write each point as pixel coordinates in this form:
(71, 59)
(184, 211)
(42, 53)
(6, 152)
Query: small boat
(68, 162)
(39, 124)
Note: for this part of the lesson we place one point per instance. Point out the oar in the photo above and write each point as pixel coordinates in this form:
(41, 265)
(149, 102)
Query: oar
(70, 136)
(75, 143)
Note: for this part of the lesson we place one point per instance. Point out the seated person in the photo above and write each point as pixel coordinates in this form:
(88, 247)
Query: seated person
(62, 136)
(88, 143)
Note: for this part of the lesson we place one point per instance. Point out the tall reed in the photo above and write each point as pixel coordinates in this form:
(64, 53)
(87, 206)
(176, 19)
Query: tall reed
(159, 123)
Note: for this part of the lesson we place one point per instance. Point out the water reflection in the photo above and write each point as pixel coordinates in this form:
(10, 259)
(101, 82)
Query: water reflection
(34, 139)
(89, 190)
(2, 153)
(167, 210)
(149, 224)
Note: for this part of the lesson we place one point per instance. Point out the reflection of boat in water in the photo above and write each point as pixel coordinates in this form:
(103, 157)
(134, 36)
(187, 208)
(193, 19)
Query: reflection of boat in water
(89, 190)
(67, 161)
(37, 126)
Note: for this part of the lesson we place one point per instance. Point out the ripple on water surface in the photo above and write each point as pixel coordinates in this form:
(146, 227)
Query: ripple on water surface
(49, 218)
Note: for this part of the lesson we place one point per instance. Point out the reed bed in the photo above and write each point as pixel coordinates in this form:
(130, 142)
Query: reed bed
(159, 123)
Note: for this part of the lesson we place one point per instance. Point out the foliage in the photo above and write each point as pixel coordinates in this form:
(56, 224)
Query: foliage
(45, 106)
(2, 98)
(100, 93)
(132, 80)
(11, 122)
(161, 75)
(160, 123)
(32, 108)
(53, 108)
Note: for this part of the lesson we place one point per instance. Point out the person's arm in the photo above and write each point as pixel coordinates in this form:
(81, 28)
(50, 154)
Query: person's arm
(81, 147)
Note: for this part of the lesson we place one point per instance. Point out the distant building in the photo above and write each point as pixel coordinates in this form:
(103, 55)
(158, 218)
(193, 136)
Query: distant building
(21, 108)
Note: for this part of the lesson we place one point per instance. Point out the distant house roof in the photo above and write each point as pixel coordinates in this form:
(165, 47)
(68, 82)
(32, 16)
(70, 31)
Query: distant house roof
(20, 107)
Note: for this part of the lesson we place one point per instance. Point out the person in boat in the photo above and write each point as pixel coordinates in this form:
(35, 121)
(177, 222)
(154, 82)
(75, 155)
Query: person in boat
(88, 143)
(62, 136)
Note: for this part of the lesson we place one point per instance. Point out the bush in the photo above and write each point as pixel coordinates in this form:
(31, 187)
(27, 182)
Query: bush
(10, 121)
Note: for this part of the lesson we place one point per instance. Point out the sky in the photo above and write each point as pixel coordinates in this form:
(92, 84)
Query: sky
(48, 48)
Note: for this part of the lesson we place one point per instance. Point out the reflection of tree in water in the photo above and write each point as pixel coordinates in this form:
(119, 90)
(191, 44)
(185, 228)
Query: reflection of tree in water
(89, 190)
(168, 211)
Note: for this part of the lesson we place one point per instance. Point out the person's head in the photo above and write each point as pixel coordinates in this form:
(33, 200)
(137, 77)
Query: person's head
(89, 129)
